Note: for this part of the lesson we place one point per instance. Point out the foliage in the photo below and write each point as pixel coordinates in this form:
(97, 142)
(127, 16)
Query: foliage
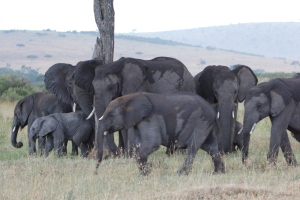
(138, 53)
(48, 56)
(20, 45)
(31, 57)
(150, 40)
(295, 62)
(14, 85)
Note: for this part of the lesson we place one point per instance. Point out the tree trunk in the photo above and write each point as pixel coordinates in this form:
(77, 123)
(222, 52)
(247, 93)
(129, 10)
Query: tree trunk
(105, 20)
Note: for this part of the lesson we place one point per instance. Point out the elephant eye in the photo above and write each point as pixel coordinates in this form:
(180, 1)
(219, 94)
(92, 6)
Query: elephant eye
(110, 87)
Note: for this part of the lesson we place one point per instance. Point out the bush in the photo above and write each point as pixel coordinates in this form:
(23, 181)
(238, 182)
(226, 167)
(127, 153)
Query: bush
(15, 94)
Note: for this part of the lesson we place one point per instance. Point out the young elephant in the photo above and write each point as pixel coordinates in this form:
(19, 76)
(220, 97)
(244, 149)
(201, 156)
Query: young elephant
(181, 120)
(279, 100)
(63, 126)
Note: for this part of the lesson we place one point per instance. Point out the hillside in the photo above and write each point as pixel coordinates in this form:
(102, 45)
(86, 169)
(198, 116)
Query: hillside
(280, 39)
(41, 49)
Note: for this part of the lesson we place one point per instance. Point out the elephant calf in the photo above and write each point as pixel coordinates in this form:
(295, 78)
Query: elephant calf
(63, 126)
(181, 120)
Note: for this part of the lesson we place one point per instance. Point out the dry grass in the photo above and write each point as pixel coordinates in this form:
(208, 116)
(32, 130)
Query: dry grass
(31, 177)
(78, 47)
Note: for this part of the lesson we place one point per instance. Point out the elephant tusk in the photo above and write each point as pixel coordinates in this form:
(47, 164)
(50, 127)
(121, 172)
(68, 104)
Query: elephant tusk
(101, 118)
(253, 127)
(13, 130)
(233, 114)
(91, 114)
(240, 131)
(105, 132)
(74, 107)
(218, 115)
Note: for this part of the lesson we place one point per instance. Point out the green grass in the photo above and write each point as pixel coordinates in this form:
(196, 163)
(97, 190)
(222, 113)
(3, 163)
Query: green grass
(71, 177)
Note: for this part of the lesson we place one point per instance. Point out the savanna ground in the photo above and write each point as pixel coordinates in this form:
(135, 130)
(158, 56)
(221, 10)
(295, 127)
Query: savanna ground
(72, 177)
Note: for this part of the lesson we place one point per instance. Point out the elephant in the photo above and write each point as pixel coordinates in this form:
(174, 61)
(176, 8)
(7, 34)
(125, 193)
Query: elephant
(63, 126)
(224, 88)
(277, 99)
(163, 75)
(181, 120)
(59, 79)
(31, 107)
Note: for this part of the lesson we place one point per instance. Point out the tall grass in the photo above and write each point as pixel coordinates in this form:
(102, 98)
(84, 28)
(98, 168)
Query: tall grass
(32, 177)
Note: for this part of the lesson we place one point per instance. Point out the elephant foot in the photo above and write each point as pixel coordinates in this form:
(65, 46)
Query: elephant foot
(220, 169)
(146, 169)
(184, 171)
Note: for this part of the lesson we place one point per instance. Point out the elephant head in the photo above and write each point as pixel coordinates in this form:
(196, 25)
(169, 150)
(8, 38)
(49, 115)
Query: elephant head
(122, 113)
(265, 99)
(110, 81)
(21, 114)
(224, 88)
(59, 79)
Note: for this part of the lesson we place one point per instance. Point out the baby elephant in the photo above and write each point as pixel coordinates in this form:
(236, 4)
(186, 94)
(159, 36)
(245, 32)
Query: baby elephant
(63, 126)
(181, 120)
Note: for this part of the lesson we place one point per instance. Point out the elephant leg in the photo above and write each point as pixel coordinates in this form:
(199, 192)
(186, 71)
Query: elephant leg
(278, 129)
(64, 147)
(41, 145)
(109, 139)
(142, 156)
(124, 134)
(58, 146)
(32, 147)
(287, 150)
(211, 146)
(121, 145)
(49, 145)
(84, 149)
(74, 149)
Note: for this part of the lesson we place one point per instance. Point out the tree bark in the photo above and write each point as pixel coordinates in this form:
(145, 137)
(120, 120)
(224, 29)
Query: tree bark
(105, 20)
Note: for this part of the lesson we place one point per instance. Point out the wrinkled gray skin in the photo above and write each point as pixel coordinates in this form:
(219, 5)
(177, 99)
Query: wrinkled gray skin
(30, 108)
(181, 120)
(63, 126)
(161, 75)
(277, 99)
(59, 79)
(224, 88)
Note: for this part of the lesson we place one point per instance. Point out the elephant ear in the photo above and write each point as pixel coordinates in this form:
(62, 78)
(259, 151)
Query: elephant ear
(24, 108)
(280, 96)
(247, 79)
(55, 81)
(136, 108)
(133, 75)
(48, 125)
(84, 74)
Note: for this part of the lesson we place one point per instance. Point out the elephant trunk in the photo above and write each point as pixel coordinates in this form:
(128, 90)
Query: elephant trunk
(85, 100)
(99, 143)
(226, 120)
(14, 134)
(248, 127)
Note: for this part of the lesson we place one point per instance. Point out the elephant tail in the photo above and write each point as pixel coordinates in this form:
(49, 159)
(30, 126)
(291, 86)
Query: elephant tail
(13, 138)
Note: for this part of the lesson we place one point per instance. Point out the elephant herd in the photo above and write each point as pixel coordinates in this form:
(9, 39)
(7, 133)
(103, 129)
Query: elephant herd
(156, 102)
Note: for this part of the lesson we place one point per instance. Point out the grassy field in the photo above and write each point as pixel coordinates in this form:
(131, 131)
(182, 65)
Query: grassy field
(74, 47)
(31, 177)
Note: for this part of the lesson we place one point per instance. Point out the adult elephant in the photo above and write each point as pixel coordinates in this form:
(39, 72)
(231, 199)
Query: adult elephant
(161, 75)
(279, 100)
(224, 88)
(59, 79)
(33, 106)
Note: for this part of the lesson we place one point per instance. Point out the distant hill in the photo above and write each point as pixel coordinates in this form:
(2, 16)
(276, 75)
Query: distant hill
(278, 40)
(41, 49)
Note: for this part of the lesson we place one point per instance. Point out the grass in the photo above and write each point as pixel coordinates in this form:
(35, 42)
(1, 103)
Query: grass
(32, 177)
